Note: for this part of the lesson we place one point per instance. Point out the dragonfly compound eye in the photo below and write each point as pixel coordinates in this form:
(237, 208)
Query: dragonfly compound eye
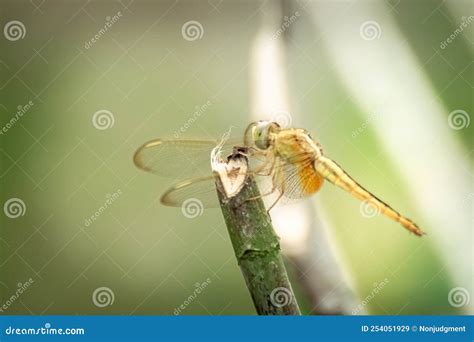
(261, 135)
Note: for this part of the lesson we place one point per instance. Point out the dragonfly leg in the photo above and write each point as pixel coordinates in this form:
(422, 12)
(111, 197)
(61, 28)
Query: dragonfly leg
(256, 152)
(274, 185)
(275, 180)
(274, 203)
(262, 195)
(261, 170)
(241, 150)
(268, 172)
(282, 190)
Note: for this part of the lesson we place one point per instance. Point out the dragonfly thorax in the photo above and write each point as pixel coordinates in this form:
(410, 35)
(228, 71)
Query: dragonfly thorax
(295, 145)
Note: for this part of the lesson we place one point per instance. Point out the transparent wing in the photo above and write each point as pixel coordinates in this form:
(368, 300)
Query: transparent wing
(294, 182)
(300, 180)
(178, 158)
(198, 190)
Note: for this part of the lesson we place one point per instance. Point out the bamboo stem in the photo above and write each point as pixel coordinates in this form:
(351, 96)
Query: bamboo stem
(257, 248)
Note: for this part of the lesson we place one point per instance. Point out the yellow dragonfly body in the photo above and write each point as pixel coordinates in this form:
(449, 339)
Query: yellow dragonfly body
(289, 157)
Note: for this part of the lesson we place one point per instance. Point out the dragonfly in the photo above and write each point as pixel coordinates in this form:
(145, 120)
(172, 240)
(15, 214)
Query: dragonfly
(289, 159)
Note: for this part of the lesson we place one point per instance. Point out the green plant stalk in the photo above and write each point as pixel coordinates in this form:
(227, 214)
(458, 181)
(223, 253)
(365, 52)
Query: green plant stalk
(257, 249)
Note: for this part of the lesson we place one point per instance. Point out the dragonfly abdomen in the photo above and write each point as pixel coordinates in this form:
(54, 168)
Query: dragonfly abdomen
(336, 175)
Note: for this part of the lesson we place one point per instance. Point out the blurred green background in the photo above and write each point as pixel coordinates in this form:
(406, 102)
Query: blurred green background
(151, 79)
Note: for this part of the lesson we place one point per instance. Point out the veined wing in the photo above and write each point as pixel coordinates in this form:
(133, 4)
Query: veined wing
(177, 158)
(198, 190)
(297, 180)
(336, 175)
(292, 181)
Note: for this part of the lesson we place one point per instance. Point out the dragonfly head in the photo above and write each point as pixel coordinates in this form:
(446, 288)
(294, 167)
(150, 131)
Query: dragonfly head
(259, 134)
